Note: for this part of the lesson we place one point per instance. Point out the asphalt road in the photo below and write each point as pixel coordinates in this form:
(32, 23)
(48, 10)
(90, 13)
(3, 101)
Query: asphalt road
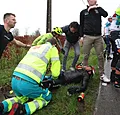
(108, 100)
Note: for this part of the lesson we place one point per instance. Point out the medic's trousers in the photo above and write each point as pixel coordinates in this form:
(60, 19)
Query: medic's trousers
(25, 90)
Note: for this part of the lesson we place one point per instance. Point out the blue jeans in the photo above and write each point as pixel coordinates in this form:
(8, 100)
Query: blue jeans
(67, 47)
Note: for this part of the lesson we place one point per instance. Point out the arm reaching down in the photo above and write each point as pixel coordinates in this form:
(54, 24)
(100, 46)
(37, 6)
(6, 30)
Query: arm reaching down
(55, 67)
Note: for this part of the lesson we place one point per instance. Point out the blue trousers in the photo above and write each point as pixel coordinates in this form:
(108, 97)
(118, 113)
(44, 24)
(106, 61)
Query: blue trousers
(67, 47)
(25, 90)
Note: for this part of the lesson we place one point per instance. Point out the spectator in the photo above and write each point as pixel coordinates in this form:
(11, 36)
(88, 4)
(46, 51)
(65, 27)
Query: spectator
(5, 34)
(90, 30)
(72, 33)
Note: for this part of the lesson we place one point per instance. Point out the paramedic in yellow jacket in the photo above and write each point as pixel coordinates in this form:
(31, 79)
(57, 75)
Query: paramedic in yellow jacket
(57, 31)
(27, 78)
(43, 38)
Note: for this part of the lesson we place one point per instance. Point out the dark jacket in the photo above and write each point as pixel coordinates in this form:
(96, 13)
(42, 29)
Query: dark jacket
(5, 38)
(78, 76)
(71, 37)
(90, 22)
(115, 40)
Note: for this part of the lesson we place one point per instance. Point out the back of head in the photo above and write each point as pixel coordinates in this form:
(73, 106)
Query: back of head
(52, 41)
(74, 25)
(89, 69)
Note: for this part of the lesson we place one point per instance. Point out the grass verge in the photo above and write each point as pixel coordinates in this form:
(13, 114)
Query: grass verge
(62, 104)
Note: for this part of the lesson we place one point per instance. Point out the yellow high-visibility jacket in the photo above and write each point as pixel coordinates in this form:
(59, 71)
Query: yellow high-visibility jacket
(35, 62)
(42, 39)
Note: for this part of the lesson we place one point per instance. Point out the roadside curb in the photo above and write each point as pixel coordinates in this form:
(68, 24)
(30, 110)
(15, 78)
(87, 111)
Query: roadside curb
(97, 100)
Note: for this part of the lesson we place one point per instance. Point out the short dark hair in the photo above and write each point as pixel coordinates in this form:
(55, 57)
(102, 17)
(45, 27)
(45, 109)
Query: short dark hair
(74, 25)
(52, 41)
(7, 15)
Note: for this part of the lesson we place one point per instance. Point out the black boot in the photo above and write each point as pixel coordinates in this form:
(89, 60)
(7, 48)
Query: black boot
(117, 81)
(112, 76)
(72, 90)
(1, 108)
(17, 109)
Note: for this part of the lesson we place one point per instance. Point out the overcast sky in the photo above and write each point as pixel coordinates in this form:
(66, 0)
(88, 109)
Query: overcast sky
(31, 14)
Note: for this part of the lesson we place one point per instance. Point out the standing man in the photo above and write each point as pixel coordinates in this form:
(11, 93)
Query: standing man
(72, 33)
(5, 34)
(28, 77)
(90, 27)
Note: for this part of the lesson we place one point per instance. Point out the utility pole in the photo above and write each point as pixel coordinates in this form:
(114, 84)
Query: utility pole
(49, 16)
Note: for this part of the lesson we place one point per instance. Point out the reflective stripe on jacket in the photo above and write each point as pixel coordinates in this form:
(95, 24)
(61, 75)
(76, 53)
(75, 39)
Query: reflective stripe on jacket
(35, 62)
